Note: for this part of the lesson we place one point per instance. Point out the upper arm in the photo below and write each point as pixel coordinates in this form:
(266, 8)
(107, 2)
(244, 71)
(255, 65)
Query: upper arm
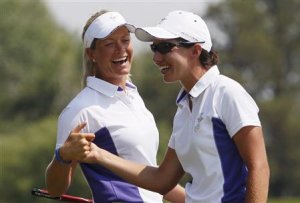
(250, 143)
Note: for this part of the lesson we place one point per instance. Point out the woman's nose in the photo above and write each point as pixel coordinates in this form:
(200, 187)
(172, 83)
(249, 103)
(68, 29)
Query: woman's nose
(120, 46)
(157, 58)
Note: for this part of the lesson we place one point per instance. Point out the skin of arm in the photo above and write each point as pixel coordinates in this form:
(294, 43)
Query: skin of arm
(251, 146)
(59, 175)
(78, 147)
(176, 195)
(160, 179)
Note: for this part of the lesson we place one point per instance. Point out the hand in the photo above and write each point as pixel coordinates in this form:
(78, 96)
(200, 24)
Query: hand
(78, 145)
(94, 156)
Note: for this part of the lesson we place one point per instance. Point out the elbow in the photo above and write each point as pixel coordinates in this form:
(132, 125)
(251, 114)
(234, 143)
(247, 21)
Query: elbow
(164, 189)
(265, 169)
(166, 184)
(262, 169)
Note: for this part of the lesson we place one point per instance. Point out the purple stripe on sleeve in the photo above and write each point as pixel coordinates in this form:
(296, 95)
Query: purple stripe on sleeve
(105, 185)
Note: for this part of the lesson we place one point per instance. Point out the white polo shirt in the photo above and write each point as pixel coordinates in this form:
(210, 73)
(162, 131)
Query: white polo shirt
(123, 126)
(203, 140)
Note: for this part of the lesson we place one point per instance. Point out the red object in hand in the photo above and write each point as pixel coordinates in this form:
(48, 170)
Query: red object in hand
(65, 198)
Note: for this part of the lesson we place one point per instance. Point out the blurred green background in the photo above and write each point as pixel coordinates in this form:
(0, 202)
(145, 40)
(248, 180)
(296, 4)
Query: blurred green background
(40, 71)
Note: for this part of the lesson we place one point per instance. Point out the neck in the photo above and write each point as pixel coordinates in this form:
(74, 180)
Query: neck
(192, 78)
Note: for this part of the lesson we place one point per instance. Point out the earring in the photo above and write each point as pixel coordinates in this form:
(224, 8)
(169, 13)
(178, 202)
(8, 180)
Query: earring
(94, 72)
(94, 61)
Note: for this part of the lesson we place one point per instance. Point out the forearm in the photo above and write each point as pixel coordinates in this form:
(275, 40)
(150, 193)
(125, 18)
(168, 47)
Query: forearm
(258, 185)
(58, 177)
(176, 195)
(148, 177)
(138, 174)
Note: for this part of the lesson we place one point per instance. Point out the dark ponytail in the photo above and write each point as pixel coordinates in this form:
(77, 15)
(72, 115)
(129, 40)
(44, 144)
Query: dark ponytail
(208, 59)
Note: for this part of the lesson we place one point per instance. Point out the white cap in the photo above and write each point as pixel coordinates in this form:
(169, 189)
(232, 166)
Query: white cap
(178, 24)
(103, 26)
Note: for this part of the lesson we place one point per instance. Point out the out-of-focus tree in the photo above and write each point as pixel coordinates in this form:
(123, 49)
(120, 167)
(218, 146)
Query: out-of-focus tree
(25, 152)
(40, 71)
(40, 67)
(259, 44)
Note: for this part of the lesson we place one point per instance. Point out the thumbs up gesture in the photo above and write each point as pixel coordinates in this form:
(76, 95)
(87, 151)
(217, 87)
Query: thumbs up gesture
(78, 145)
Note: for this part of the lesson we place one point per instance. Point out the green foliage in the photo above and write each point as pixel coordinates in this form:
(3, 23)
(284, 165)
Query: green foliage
(261, 42)
(37, 58)
(40, 72)
(26, 150)
(284, 200)
(281, 117)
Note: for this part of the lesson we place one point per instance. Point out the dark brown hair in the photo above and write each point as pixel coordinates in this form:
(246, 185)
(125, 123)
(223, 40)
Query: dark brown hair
(208, 59)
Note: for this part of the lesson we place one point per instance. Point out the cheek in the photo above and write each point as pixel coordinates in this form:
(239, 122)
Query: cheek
(104, 56)
(130, 53)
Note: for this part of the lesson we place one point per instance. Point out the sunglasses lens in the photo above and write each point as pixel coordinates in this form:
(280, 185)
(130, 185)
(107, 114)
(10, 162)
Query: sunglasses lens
(153, 47)
(163, 47)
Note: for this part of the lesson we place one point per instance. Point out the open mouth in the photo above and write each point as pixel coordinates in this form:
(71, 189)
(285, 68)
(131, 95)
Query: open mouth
(164, 69)
(120, 61)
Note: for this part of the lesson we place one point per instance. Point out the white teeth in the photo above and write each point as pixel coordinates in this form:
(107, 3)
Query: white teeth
(163, 67)
(120, 59)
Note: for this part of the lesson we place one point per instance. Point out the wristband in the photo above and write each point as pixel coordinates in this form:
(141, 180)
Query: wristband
(60, 159)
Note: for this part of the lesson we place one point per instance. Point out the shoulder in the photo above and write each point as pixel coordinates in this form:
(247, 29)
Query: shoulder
(225, 83)
(84, 100)
(229, 92)
(227, 87)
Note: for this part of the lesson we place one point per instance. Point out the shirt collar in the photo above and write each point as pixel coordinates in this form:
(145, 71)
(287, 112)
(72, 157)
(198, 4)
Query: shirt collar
(208, 78)
(105, 87)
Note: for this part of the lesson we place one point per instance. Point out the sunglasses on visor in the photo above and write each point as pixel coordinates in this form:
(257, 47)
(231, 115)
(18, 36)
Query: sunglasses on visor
(166, 47)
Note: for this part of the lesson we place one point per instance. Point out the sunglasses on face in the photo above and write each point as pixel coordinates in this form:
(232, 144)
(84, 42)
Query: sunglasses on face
(166, 47)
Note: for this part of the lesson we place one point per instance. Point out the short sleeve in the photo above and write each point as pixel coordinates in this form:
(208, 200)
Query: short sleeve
(237, 108)
(67, 121)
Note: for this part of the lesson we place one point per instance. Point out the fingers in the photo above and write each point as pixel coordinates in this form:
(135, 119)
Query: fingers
(78, 128)
(89, 136)
(76, 131)
(78, 143)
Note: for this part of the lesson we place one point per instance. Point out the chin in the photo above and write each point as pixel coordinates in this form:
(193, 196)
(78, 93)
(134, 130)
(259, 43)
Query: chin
(168, 80)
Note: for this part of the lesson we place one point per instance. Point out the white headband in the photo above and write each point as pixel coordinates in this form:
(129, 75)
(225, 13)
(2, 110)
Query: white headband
(103, 26)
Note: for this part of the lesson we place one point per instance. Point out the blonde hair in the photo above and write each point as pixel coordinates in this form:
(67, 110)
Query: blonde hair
(87, 63)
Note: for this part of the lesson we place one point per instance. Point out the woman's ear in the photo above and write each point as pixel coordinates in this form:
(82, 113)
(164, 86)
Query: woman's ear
(90, 53)
(197, 49)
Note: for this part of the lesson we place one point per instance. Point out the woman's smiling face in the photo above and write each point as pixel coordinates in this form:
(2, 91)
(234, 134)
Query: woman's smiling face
(113, 56)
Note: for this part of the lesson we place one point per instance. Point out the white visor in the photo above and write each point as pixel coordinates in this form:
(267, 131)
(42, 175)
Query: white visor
(103, 26)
